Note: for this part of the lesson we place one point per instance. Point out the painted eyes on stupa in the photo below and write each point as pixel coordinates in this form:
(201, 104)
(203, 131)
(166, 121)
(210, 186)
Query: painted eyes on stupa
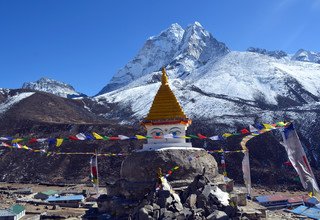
(175, 131)
(157, 132)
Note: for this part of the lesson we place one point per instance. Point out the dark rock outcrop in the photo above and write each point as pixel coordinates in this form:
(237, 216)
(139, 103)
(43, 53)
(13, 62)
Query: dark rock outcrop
(139, 170)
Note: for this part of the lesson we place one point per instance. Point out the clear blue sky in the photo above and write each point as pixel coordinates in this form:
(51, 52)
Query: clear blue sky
(84, 42)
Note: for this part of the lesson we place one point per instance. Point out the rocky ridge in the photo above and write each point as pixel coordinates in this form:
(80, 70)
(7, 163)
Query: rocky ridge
(54, 87)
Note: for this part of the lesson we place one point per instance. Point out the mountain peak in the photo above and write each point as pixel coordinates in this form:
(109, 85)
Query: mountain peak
(175, 26)
(196, 24)
(199, 46)
(306, 56)
(187, 49)
(175, 31)
(52, 86)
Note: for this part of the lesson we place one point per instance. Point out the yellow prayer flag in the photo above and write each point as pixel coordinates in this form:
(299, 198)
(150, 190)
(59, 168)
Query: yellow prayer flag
(16, 140)
(25, 147)
(185, 137)
(281, 124)
(140, 137)
(268, 126)
(59, 142)
(176, 167)
(97, 136)
(226, 135)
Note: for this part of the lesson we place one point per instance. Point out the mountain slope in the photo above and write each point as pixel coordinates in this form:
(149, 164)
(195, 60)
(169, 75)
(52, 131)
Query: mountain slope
(28, 105)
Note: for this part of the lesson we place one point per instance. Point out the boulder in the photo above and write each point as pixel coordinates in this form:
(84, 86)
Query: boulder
(218, 215)
(139, 170)
(191, 201)
(143, 214)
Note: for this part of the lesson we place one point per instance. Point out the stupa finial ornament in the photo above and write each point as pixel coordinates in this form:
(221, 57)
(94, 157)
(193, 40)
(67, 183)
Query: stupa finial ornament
(164, 78)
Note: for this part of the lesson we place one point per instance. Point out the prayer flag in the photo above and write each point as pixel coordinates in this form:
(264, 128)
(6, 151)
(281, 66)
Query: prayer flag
(140, 137)
(106, 138)
(5, 138)
(32, 140)
(268, 126)
(226, 135)
(246, 171)
(280, 124)
(17, 140)
(94, 172)
(16, 145)
(59, 142)
(97, 136)
(244, 131)
(81, 136)
(259, 126)
(201, 136)
(252, 129)
(215, 138)
(122, 137)
(89, 137)
(42, 139)
(298, 159)
(73, 138)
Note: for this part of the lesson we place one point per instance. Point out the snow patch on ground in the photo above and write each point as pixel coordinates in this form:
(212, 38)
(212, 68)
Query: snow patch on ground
(13, 100)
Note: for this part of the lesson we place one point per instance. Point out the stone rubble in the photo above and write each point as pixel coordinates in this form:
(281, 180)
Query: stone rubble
(201, 200)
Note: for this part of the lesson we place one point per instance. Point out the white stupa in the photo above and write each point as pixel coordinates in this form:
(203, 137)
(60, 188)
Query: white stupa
(166, 122)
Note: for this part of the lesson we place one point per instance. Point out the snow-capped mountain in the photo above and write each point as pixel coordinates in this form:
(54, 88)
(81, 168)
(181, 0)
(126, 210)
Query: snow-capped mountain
(238, 83)
(54, 87)
(221, 87)
(185, 49)
(306, 56)
(210, 81)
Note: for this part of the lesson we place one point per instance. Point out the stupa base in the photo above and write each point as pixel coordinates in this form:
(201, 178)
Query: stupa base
(139, 170)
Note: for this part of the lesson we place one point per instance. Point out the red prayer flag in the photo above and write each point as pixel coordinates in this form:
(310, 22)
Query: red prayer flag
(201, 136)
(33, 140)
(244, 131)
(73, 138)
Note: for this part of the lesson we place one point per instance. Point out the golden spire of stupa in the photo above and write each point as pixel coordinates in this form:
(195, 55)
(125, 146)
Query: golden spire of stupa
(165, 106)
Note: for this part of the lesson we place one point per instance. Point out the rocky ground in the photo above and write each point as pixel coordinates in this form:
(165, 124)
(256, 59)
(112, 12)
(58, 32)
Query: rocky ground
(72, 213)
